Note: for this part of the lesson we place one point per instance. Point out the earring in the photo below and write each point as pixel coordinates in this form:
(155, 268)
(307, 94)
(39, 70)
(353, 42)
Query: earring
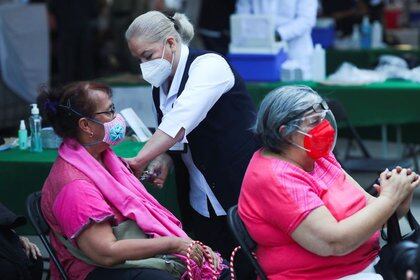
(91, 134)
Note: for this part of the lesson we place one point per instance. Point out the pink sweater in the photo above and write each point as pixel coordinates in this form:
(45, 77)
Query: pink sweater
(277, 196)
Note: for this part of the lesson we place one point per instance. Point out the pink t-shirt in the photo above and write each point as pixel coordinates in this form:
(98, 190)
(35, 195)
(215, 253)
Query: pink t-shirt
(70, 202)
(276, 196)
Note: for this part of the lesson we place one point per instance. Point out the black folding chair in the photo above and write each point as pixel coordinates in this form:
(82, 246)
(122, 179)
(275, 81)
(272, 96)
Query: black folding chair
(244, 239)
(42, 229)
(366, 162)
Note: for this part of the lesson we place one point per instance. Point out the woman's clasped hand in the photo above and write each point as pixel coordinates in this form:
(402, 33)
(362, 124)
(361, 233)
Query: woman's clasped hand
(398, 185)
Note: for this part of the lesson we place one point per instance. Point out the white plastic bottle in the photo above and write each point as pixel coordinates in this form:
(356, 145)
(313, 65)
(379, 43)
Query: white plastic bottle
(23, 135)
(377, 37)
(35, 125)
(318, 68)
(355, 37)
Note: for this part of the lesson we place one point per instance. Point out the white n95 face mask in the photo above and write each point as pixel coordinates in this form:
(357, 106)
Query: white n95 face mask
(156, 71)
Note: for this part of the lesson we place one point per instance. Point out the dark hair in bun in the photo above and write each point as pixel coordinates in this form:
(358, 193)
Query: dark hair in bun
(62, 107)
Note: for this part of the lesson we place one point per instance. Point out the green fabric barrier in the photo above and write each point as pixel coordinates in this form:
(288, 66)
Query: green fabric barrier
(23, 172)
(391, 102)
(367, 106)
(367, 59)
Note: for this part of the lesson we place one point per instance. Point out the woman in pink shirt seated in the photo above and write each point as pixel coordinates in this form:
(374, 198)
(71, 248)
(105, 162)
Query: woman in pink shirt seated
(90, 191)
(310, 219)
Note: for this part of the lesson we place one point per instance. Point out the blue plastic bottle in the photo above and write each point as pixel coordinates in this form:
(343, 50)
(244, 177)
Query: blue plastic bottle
(35, 125)
(366, 34)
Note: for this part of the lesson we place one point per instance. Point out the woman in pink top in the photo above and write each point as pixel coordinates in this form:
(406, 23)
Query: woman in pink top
(310, 219)
(90, 189)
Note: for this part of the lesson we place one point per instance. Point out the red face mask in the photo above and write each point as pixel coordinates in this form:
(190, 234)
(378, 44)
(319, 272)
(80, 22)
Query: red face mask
(319, 140)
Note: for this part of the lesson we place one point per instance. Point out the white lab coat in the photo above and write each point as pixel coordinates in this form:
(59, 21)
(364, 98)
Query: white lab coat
(294, 22)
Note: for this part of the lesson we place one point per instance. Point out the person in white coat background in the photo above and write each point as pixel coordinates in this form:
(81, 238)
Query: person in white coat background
(294, 22)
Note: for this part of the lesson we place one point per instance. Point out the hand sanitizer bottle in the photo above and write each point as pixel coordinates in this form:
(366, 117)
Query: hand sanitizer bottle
(35, 125)
(23, 135)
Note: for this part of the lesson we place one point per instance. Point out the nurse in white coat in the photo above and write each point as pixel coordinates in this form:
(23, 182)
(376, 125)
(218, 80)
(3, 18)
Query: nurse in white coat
(294, 22)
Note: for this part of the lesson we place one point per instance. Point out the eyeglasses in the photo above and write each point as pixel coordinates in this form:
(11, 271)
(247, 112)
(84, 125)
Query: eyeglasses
(110, 113)
(312, 120)
(316, 108)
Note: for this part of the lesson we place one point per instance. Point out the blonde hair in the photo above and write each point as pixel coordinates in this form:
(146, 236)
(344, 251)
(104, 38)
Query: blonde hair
(154, 26)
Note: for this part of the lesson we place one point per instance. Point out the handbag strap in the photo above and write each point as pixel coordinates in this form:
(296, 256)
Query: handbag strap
(232, 261)
(393, 230)
(412, 220)
(207, 255)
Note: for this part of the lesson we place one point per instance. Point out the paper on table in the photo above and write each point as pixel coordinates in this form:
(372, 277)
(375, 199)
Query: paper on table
(139, 128)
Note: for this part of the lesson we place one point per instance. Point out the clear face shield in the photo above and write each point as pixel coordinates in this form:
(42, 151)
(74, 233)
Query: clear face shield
(319, 127)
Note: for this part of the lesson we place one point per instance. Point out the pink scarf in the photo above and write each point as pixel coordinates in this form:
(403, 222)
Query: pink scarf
(125, 192)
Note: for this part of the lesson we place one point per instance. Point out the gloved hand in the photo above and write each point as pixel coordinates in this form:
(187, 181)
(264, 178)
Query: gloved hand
(157, 171)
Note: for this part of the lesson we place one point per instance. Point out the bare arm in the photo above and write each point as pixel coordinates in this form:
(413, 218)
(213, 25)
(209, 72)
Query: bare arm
(99, 243)
(403, 207)
(322, 234)
(159, 143)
